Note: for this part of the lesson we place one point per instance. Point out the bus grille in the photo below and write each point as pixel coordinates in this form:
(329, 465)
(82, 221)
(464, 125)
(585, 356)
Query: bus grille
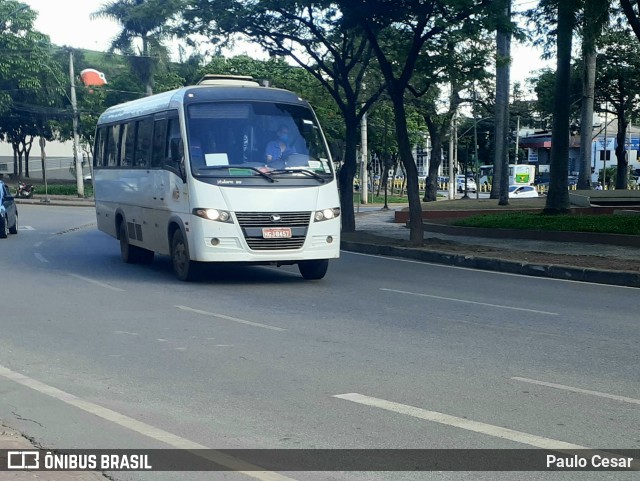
(252, 224)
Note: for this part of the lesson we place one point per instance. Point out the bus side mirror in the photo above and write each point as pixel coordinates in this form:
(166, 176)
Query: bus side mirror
(176, 149)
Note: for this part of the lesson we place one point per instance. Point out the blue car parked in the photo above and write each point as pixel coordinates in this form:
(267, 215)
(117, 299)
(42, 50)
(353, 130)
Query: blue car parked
(8, 212)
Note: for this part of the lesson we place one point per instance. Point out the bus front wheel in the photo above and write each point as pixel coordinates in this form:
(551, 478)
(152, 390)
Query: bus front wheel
(313, 270)
(184, 268)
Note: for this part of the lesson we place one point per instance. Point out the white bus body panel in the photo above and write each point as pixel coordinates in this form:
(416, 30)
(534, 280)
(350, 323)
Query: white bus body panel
(322, 239)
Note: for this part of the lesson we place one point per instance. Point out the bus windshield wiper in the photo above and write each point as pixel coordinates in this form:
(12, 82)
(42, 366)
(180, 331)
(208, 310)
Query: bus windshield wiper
(307, 172)
(240, 166)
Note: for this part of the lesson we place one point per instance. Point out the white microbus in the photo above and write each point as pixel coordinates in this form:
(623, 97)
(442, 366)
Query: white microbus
(193, 174)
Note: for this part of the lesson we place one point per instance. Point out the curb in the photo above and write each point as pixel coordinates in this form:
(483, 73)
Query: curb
(624, 240)
(57, 202)
(615, 278)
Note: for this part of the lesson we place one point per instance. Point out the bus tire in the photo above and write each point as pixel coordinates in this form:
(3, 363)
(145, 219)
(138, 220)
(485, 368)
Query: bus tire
(14, 229)
(184, 268)
(127, 251)
(313, 270)
(4, 227)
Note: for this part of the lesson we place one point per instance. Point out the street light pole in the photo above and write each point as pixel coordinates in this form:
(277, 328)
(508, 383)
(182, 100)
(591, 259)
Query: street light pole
(74, 106)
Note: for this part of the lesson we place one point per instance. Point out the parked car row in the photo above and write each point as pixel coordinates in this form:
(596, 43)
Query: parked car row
(8, 212)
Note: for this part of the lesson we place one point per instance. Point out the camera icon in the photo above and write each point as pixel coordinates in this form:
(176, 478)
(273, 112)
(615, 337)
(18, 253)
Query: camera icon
(23, 460)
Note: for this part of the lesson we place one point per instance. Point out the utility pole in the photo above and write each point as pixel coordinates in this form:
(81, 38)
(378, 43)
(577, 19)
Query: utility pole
(475, 144)
(606, 147)
(74, 107)
(452, 174)
(43, 160)
(517, 139)
(364, 173)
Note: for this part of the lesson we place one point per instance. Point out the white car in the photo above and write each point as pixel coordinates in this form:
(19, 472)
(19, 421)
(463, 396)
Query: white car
(522, 192)
(471, 184)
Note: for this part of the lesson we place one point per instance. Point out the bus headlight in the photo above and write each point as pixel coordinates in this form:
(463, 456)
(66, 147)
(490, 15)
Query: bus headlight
(214, 214)
(326, 214)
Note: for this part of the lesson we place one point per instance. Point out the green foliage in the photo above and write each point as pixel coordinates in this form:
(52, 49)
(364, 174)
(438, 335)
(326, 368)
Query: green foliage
(612, 224)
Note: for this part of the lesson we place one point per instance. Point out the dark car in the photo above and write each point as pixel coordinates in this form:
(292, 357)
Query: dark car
(8, 212)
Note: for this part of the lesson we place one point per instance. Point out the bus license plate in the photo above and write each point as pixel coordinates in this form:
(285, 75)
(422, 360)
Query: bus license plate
(276, 233)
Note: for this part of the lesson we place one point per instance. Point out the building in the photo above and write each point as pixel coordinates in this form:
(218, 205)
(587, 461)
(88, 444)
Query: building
(538, 148)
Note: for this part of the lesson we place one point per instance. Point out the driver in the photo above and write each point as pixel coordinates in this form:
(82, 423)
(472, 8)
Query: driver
(279, 149)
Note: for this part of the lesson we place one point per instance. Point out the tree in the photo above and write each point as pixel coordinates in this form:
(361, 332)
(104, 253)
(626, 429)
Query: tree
(314, 35)
(147, 21)
(616, 85)
(558, 194)
(632, 16)
(596, 15)
(402, 34)
(29, 90)
(448, 80)
(500, 189)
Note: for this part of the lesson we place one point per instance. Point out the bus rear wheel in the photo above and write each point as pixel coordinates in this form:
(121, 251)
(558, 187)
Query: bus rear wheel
(184, 268)
(313, 270)
(132, 254)
(127, 251)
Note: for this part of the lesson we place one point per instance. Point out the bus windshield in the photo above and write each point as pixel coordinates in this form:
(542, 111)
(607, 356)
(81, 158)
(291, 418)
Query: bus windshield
(245, 139)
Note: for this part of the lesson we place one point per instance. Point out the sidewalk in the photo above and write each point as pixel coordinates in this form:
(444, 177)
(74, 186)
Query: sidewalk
(450, 249)
(11, 439)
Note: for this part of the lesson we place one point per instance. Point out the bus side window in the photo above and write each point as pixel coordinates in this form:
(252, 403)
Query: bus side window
(173, 132)
(143, 143)
(159, 142)
(111, 147)
(98, 154)
(128, 144)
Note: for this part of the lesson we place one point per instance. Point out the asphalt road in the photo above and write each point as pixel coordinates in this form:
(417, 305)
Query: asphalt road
(382, 353)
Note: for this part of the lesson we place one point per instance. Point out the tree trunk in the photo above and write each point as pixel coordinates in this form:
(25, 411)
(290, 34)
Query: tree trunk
(595, 15)
(558, 194)
(416, 235)
(622, 172)
(347, 173)
(500, 184)
(586, 116)
(431, 188)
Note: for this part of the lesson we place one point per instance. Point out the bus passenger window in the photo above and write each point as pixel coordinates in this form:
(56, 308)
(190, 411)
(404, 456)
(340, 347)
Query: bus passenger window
(143, 143)
(159, 140)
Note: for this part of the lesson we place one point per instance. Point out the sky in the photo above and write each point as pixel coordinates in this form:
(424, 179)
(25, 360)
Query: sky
(76, 29)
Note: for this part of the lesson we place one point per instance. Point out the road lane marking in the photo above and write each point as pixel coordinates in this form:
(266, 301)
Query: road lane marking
(97, 283)
(119, 333)
(486, 271)
(38, 244)
(229, 318)
(470, 302)
(40, 257)
(462, 423)
(25, 227)
(145, 429)
(578, 390)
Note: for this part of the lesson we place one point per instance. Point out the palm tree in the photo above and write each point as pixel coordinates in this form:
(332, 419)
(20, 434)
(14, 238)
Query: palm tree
(596, 15)
(147, 21)
(558, 195)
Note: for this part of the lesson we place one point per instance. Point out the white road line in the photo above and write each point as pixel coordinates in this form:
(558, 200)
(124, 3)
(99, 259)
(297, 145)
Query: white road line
(142, 428)
(467, 424)
(470, 302)
(40, 257)
(119, 333)
(97, 283)
(25, 227)
(578, 390)
(473, 269)
(229, 318)
(38, 244)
